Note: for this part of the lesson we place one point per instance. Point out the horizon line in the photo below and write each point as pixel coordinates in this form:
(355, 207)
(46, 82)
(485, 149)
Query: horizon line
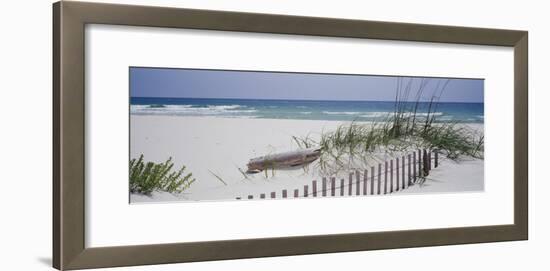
(313, 100)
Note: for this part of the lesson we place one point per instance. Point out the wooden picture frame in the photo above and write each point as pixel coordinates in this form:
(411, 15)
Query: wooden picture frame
(69, 19)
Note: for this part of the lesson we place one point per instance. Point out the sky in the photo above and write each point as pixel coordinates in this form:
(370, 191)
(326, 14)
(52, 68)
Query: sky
(194, 83)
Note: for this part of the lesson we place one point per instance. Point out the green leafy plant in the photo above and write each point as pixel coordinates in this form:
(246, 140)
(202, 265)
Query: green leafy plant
(146, 177)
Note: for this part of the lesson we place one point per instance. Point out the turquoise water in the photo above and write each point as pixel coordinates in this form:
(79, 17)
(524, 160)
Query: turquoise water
(299, 109)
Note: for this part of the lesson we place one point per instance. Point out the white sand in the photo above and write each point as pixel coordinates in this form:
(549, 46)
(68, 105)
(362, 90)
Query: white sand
(220, 146)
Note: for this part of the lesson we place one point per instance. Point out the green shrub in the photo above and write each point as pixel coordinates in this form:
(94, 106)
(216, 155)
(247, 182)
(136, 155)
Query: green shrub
(146, 177)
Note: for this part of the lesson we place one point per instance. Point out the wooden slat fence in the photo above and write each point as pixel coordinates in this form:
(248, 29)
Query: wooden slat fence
(360, 183)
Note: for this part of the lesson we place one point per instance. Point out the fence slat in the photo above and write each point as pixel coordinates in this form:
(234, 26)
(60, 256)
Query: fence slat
(358, 183)
(350, 184)
(397, 173)
(365, 178)
(391, 176)
(420, 163)
(414, 167)
(372, 180)
(332, 187)
(296, 193)
(425, 164)
(284, 194)
(379, 177)
(314, 188)
(409, 170)
(403, 172)
(273, 194)
(429, 160)
(324, 192)
(385, 177)
(342, 187)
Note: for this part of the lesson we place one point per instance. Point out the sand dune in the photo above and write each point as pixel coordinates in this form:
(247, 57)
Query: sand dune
(212, 146)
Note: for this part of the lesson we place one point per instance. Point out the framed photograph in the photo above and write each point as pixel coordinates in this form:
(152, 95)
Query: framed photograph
(189, 135)
(281, 135)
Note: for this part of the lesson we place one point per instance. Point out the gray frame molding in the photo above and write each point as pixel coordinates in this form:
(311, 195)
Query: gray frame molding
(69, 19)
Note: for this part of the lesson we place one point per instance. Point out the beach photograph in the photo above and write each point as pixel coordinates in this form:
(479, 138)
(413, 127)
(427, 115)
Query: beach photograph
(225, 135)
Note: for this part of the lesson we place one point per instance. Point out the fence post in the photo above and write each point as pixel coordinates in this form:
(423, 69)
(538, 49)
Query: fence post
(284, 194)
(414, 167)
(385, 177)
(324, 192)
(391, 176)
(350, 184)
(262, 196)
(358, 184)
(314, 188)
(372, 180)
(342, 187)
(273, 195)
(403, 171)
(332, 187)
(420, 165)
(379, 177)
(397, 173)
(409, 170)
(425, 164)
(436, 161)
(296, 193)
(305, 191)
(365, 178)
(429, 160)
(250, 197)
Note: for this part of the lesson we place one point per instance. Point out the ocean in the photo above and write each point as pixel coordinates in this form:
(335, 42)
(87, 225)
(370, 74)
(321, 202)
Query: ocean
(299, 109)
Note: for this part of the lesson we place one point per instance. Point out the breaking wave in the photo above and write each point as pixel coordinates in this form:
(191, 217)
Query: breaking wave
(190, 110)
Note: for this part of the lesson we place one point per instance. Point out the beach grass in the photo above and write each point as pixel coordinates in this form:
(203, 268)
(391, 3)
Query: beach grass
(409, 127)
(146, 177)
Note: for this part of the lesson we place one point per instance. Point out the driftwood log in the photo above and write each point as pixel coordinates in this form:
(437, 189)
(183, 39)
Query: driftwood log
(283, 160)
